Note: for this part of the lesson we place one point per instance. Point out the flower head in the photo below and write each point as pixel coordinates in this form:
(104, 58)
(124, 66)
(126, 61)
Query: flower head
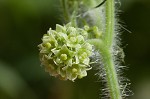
(64, 52)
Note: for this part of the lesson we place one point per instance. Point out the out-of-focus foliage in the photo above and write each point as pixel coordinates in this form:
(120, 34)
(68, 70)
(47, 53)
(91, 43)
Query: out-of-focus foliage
(22, 24)
(136, 15)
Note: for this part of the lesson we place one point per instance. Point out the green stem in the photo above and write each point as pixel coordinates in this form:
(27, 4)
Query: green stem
(110, 23)
(109, 65)
(111, 75)
(65, 10)
(105, 48)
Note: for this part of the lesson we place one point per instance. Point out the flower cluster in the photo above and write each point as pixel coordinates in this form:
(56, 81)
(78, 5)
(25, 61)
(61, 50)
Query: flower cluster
(64, 52)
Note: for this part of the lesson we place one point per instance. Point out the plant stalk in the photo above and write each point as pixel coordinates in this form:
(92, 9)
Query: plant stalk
(105, 48)
(111, 75)
(109, 65)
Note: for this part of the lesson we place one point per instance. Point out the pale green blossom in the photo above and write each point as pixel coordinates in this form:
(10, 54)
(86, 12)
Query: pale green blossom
(65, 52)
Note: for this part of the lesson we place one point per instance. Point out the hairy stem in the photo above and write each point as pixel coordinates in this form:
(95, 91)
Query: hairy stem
(110, 23)
(111, 75)
(109, 65)
(105, 48)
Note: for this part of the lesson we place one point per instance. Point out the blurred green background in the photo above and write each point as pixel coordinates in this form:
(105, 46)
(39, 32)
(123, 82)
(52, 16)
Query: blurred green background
(22, 24)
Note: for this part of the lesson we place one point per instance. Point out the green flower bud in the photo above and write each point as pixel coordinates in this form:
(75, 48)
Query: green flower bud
(94, 32)
(63, 56)
(64, 52)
